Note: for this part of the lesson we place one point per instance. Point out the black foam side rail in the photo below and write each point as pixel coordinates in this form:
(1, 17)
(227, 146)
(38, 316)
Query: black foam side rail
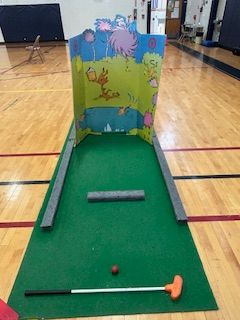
(51, 209)
(176, 201)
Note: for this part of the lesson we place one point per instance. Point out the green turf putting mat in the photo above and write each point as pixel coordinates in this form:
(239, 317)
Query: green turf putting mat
(141, 237)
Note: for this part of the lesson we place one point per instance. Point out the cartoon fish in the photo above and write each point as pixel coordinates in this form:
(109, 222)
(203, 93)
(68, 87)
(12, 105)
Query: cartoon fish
(122, 111)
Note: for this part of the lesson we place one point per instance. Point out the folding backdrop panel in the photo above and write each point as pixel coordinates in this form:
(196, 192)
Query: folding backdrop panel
(115, 73)
(24, 22)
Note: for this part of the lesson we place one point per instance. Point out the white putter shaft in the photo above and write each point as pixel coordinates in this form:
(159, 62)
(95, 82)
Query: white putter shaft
(105, 290)
(174, 288)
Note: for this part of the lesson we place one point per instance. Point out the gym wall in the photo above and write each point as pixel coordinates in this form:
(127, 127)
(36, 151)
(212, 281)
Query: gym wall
(77, 15)
(202, 17)
(230, 30)
(22, 23)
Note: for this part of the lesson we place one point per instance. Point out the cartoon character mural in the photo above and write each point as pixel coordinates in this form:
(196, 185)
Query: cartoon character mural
(102, 80)
(115, 73)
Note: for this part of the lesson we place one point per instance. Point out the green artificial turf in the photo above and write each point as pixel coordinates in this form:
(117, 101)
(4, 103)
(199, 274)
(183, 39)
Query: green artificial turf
(142, 238)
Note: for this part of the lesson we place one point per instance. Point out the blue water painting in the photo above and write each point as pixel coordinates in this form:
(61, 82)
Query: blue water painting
(111, 119)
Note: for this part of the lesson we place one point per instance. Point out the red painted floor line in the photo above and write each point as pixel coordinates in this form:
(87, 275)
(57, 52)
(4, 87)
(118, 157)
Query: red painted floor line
(201, 149)
(20, 224)
(38, 154)
(214, 218)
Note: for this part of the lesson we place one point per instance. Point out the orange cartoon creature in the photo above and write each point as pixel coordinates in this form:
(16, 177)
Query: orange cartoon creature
(102, 80)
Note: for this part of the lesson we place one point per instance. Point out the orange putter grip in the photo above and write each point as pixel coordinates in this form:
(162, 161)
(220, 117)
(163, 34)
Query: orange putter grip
(175, 288)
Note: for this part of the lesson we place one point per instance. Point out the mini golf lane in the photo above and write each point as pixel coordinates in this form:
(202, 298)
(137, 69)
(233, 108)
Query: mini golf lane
(141, 237)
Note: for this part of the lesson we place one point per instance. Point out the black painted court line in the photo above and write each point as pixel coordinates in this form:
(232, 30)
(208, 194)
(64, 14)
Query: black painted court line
(208, 176)
(37, 154)
(184, 68)
(21, 182)
(202, 149)
(219, 65)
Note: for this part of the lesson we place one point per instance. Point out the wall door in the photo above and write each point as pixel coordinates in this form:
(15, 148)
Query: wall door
(173, 19)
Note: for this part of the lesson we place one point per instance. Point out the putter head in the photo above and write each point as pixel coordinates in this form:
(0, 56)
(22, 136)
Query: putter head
(175, 288)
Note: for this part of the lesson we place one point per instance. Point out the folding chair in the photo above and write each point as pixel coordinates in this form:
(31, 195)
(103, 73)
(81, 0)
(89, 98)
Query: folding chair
(186, 33)
(35, 48)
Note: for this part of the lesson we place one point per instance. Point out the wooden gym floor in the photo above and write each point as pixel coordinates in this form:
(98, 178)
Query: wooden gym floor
(225, 56)
(197, 123)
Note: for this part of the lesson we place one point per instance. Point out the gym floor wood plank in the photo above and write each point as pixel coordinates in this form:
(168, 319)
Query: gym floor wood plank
(27, 168)
(21, 202)
(209, 197)
(204, 163)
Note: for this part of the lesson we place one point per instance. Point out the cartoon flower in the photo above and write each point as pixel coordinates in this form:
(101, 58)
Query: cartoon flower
(89, 36)
(77, 124)
(123, 40)
(152, 43)
(120, 22)
(75, 45)
(104, 25)
(148, 119)
(154, 98)
(153, 82)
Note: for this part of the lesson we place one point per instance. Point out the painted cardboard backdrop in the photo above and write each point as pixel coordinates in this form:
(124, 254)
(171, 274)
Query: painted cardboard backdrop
(115, 73)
